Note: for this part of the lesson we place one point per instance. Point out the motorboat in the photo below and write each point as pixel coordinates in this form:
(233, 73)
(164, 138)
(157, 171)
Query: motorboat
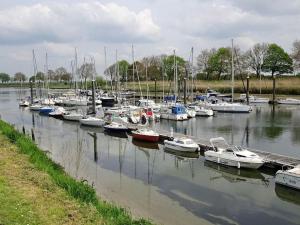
(145, 135)
(201, 111)
(174, 113)
(290, 177)
(289, 101)
(107, 101)
(46, 110)
(235, 156)
(182, 144)
(35, 107)
(116, 127)
(191, 113)
(48, 101)
(230, 107)
(92, 121)
(77, 101)
(254, 99)
(24, 103)
(73, 116)
(58, 113)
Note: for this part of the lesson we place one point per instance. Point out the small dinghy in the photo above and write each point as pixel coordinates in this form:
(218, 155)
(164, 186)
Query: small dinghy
(145, 135)
(35, 107)
(235, 156)
(73, 116)
(58, 113)
(116, 127)
(46, 110)
(24, 103)
(290, 178)
(92, 121)
(182, 144)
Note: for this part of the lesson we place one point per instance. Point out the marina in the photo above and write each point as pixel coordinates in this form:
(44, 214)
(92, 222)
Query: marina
(163, 180)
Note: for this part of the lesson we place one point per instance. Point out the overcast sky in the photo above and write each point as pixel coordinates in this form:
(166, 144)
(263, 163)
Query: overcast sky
(153, 26)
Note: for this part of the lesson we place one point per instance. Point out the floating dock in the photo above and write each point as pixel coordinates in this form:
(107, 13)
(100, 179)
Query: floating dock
(271, 159)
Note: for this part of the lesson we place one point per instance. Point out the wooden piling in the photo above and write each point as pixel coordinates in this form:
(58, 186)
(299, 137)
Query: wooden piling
(32, 135)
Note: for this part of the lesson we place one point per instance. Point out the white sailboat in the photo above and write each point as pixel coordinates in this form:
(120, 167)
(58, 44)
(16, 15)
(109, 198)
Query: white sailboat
(289, 101)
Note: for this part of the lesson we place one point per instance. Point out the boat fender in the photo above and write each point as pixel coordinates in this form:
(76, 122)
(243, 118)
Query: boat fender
(218, 160)
(239, 165)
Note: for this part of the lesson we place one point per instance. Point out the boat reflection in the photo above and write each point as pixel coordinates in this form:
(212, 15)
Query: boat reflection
(287, 194)
(234, 175)
(116, 134)
(92, 129)
(182, 155)
(144, 144)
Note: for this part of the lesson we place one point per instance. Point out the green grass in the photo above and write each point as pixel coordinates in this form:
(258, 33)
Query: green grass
(77, 189)
(13, 210)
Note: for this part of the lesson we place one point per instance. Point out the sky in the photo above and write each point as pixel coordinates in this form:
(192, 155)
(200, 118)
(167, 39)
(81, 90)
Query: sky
(153, 27)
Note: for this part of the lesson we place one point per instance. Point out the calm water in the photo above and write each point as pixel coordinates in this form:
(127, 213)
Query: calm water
(174, 189)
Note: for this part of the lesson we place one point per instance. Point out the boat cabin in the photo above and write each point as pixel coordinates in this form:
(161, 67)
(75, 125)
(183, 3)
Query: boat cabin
(178, 110)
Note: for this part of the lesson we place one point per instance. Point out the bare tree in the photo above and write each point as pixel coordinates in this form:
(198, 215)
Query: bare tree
(86, 71)
(203, 60)
(296, 54)
(256, 56)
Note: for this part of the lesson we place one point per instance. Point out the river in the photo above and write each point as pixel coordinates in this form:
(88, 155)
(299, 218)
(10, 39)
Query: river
(169, 188)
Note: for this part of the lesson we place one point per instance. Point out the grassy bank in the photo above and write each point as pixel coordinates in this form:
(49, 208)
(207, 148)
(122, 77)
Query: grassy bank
(35, 190)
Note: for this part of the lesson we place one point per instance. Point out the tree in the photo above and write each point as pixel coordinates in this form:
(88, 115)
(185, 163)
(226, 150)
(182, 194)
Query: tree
(51, 74)
(66, 77)
(277, 61)
(4, 77)
(86, 71)
(202, 61)
(255, 57)
(19, 77)
(154, 66)
(219, 62)
(123, 69)
(40, 76)
(296, 54)
(59, 72)
(169, 67)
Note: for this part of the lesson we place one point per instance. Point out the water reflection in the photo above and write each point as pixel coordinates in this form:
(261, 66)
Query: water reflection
(234, 175)
(288, 194)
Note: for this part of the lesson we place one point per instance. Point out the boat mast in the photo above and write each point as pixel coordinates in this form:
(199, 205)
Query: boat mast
(133, 65)
(105, 71)
(192, 62)
(163, 76)
(174, 74)
(76, 71)
(147, 80)
(47, 75)
(232, 72)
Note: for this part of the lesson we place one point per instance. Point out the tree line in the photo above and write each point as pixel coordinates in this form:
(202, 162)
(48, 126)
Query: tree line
(211, 64)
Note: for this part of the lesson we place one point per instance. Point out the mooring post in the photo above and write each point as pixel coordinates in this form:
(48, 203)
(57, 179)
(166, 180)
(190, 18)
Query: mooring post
(184, 91)
(155, 88)
(31, 93)
(247, 91)
(274, 87)
(23, 130)
(32, 134)
(93, 97)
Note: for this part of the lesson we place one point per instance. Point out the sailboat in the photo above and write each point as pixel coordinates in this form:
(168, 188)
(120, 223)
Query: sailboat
(230, 107)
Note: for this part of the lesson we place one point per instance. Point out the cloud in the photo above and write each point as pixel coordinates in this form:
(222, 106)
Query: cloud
(81, 21)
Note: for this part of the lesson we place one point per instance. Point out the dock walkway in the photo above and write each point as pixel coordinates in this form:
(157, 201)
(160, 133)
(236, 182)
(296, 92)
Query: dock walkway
(271, 159)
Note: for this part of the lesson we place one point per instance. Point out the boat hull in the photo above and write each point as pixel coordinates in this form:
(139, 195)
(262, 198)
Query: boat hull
(232, 162)
(93, 123)
(148, 138)
(287, 179)
(170, 145)
(72, 117)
